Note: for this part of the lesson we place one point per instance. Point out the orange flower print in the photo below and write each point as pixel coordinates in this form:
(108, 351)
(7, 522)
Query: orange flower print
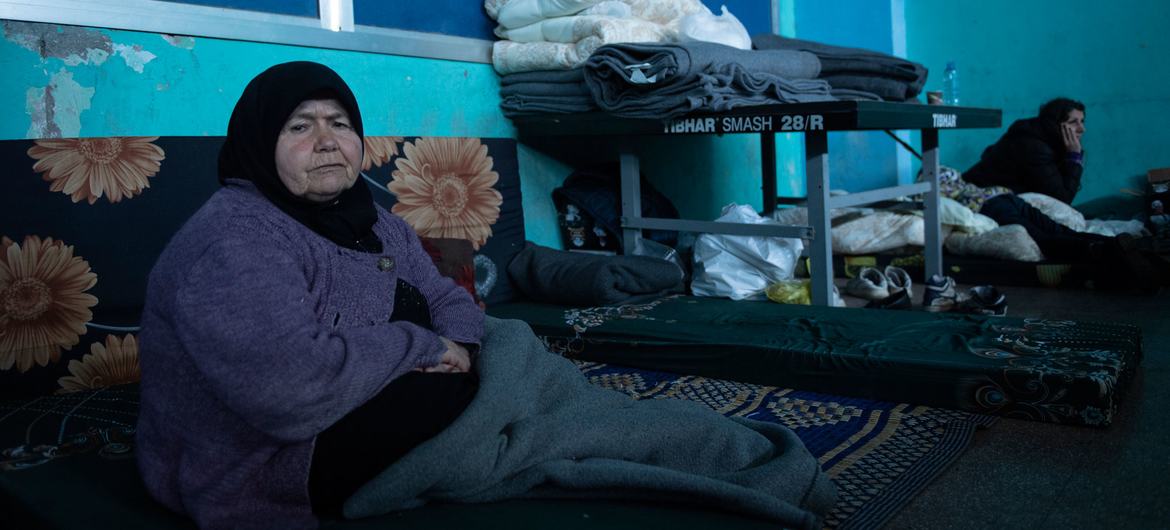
(43, 303)
(379, 150)
(444, 189)
(112, 363)
(88, 168)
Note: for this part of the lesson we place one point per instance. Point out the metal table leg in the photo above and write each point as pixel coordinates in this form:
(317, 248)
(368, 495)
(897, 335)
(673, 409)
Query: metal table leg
(768, 170)
(933, 228)
(816, 154)
(631, 200)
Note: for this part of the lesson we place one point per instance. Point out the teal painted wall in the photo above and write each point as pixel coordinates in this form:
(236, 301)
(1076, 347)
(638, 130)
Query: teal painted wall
(857, 160)
(106, 83)
(1015, 55)
(189, 88)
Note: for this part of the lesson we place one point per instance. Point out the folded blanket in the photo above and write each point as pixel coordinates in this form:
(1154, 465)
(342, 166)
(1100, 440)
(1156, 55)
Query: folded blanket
(577, 279)
(550, 77)
(886, 88)
(522, 105)
(853, 94)
(666, 80)
(537, 428)
(545, 83)
(849, 65)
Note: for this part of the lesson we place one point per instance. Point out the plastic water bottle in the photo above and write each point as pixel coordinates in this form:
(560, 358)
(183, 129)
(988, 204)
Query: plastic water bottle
(951, 84)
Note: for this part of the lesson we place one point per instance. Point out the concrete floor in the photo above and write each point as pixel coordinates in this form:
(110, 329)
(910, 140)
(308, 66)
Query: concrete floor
(1030, 475)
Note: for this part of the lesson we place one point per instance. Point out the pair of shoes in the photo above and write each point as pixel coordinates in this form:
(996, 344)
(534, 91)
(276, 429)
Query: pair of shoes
(984, 300)
(874, 285)
(940, 294)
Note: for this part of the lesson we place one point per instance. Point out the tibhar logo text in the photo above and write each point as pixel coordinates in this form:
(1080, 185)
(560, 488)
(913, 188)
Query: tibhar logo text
(691, 125)
(945, 120)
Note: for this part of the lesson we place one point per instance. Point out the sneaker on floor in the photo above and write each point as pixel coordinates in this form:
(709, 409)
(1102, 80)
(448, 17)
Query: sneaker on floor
(869, 284)
(899, 299)
(940, 294)
(897, 279)
(984, 300)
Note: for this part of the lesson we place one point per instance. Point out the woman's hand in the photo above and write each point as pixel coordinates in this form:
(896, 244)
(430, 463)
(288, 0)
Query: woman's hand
(455, 360)
(1071, 142)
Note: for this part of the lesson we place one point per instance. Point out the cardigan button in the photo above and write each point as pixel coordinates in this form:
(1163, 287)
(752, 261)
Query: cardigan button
(385, 264)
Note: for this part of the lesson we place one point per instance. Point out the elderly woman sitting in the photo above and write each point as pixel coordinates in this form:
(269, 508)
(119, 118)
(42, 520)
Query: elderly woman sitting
(302, 356)
(292, 326)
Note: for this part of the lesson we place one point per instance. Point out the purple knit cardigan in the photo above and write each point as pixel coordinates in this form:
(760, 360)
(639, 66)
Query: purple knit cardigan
(257, 335)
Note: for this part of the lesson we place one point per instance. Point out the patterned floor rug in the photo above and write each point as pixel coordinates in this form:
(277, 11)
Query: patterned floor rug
(879, 454)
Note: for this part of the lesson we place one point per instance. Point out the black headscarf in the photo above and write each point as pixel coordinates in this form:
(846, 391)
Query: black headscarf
(250, 151)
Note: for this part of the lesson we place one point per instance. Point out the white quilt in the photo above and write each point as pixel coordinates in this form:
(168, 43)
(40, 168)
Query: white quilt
(541, 34)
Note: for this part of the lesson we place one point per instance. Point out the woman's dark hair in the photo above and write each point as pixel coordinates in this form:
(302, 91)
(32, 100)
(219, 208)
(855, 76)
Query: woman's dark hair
(1056, 110)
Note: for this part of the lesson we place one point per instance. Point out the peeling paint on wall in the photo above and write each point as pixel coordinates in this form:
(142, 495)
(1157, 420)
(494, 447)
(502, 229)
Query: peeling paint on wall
(180, 41)
(71, 44)
(55, 110)
(134, 55)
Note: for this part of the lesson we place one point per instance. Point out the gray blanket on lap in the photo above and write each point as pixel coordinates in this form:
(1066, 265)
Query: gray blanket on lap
(537, 428)
(585, 280)
(667, 80)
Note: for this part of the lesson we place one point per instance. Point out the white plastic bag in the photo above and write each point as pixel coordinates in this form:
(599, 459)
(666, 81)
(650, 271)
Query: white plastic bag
(741, 267)
(723, 29)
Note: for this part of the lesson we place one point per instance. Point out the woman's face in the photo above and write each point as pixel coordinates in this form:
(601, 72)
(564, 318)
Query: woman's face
(318, 153)
(1076, 122)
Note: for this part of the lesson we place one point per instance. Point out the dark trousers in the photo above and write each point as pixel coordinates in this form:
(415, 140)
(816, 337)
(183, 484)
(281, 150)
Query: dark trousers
(1055, 240)
(409, 411)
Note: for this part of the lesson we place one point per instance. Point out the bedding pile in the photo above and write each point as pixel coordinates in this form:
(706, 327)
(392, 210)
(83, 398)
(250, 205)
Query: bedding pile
(638, 58)
(965, 233)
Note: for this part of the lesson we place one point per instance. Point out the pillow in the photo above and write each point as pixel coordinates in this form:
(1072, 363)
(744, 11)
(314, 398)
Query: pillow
(73, 269)
(1009, 242)
(1057, 210)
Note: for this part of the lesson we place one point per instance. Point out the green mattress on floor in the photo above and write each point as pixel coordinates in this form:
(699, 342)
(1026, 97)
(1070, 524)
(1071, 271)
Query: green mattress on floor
(1046, 370)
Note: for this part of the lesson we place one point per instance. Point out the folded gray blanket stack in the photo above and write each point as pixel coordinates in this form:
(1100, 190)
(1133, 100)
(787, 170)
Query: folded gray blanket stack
(667, 80)
(891, 78)
(551, 91)
(584, 280)
(537, 428)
